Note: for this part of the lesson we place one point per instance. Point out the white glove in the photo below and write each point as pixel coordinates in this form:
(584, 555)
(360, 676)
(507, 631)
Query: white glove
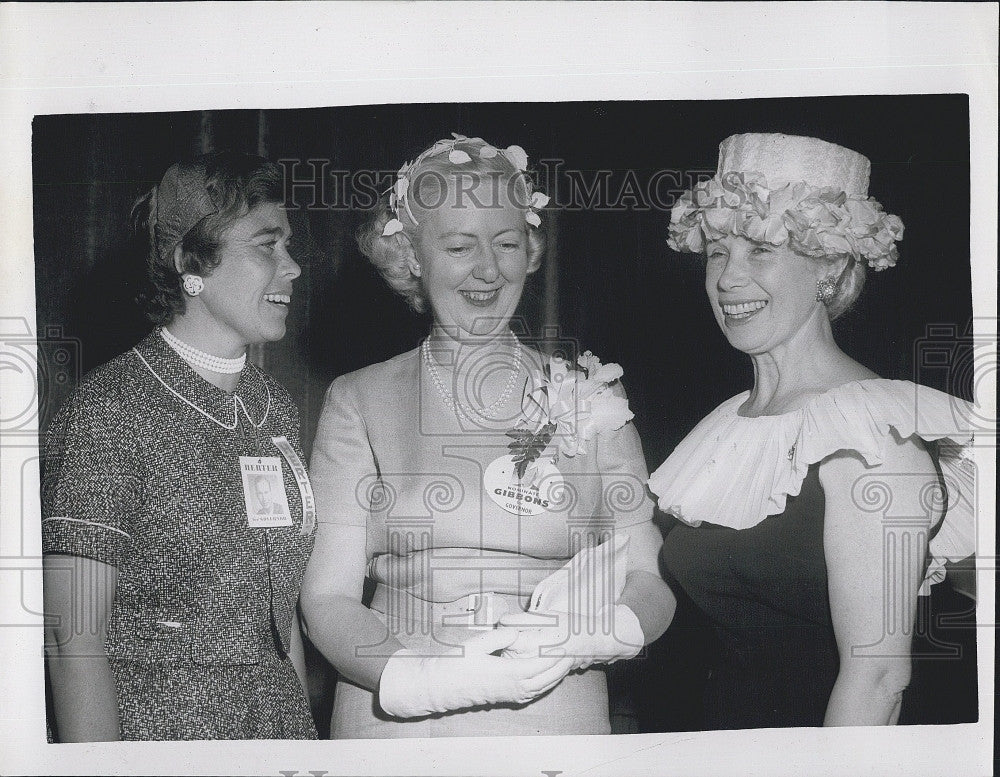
(607, 636)
(574, 611)
(413, 685)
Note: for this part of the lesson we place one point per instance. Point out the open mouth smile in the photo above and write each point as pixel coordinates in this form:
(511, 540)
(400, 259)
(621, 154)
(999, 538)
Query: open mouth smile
(740, 311)
(280, 300)
(480, 298)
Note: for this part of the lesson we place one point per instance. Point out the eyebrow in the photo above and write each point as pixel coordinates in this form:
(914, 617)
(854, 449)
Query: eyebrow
(269, 231)
(456, 233)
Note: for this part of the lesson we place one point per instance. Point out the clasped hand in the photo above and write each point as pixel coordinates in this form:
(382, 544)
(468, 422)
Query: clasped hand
(414, 685)
(610, 634)
(539, 647)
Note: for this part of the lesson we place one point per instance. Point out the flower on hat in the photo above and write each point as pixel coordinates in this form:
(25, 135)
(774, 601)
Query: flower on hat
(815, 221)
(402, 185)
(392, 227)
(517, 156)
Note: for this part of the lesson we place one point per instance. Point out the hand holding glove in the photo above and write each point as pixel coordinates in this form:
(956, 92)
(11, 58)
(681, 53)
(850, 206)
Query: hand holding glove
(574, 611)
(610, 634)
(413, 685)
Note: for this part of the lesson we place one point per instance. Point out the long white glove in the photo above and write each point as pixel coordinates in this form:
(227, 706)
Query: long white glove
(574, 611)
(413, 685)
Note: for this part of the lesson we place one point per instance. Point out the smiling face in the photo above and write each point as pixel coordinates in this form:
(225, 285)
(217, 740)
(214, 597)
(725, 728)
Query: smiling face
(473, 260)
(762, 296)
(246, 296)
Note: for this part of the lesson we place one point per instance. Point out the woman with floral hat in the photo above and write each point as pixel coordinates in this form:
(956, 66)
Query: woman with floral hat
(456, 480)
(810, 507)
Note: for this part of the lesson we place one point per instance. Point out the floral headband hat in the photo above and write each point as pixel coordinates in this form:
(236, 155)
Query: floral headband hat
(773, 188)
(515, 155)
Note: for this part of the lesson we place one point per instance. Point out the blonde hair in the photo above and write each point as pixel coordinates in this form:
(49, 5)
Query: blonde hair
(849, 286)
(390, 254)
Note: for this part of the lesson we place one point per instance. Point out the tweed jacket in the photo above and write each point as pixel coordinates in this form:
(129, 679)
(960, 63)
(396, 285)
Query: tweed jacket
(142, 471)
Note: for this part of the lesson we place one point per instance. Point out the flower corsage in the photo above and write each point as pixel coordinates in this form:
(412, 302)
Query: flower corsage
(569, 405)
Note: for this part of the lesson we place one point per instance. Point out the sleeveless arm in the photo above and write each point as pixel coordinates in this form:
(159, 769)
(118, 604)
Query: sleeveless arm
(342, 459)
(875, 563)
(350, 635)
(334, 618)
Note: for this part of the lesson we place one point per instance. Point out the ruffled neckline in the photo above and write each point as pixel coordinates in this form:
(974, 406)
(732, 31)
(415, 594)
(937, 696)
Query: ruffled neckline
(735, 470)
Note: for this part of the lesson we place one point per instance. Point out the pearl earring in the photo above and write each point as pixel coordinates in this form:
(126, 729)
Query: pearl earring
(193, 284)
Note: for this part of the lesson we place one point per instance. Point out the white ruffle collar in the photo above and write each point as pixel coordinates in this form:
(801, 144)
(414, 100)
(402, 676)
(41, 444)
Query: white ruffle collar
(736, 471)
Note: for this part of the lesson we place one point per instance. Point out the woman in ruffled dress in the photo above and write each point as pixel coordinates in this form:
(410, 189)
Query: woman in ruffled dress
(810, 507)
(459, 477)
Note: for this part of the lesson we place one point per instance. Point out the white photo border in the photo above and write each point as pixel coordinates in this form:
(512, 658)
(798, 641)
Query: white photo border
(135, 57)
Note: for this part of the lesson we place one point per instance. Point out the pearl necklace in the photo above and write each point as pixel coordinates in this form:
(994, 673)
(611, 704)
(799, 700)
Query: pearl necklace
(449, 399)
(206, 361)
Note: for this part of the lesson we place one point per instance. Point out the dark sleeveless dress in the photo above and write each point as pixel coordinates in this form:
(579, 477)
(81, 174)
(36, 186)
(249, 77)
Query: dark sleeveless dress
(747, 550)
(765, 591)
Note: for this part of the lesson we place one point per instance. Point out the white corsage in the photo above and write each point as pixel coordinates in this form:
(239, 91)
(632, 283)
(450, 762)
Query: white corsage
(569, 405)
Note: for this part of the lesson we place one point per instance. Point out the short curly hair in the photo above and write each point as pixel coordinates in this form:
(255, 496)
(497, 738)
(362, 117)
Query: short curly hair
(236, 183)
(390, 254)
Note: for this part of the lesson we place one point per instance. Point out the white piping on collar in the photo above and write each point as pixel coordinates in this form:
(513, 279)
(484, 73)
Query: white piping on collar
(237, 401)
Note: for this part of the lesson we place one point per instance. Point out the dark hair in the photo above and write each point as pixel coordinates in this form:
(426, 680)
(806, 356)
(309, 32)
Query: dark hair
(236, 183)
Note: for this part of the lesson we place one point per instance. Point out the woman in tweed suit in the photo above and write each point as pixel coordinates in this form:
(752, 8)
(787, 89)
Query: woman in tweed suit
(171, 600)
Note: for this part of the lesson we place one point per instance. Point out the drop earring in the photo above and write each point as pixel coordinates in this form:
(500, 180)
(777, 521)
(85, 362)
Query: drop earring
(193, 284)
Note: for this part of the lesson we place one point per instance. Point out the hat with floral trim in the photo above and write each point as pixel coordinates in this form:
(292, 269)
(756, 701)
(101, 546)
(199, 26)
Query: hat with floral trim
(778, 189)
(399, 195)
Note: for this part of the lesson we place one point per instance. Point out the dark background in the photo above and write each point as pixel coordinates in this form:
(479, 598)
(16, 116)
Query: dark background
(609, 280)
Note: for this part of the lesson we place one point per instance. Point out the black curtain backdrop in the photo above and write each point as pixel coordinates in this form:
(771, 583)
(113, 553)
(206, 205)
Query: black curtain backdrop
(611, 282)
